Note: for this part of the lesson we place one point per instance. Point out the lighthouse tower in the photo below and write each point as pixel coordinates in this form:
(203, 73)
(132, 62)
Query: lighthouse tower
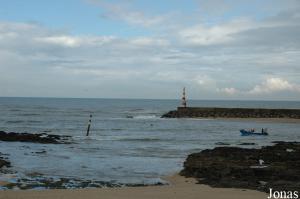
(183, 103)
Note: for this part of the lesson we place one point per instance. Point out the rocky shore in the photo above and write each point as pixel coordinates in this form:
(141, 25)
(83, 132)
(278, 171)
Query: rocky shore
(41, 138)
(35, 138)
(276, 167)
(211, 112)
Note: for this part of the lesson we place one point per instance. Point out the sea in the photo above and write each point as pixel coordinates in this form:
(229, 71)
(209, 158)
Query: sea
(129, 142)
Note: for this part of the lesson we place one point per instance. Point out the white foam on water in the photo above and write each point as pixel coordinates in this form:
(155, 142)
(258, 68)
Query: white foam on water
(144, 117)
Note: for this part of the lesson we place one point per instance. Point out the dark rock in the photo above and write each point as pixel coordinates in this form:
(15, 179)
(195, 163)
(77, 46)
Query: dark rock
(36, 138)
(3, 162)
(247, 144)
(239, 168)
(41, 152)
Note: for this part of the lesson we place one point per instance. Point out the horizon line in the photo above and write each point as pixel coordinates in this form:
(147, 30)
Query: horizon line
(115, 98)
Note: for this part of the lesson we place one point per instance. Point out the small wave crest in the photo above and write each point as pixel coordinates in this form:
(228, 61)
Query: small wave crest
(145, 117)
(140, 139)
(116, 138)
(41, 182)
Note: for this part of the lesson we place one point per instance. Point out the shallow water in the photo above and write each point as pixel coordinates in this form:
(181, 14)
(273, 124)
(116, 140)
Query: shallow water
(128, 142)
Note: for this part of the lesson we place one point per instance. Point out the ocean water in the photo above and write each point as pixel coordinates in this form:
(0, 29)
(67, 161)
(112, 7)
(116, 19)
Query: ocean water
(128, 142)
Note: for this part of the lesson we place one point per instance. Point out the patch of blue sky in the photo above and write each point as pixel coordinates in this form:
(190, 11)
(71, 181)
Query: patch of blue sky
(167, 6)
(75, 16)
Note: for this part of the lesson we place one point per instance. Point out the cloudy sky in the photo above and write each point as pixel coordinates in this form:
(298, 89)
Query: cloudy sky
(218, 49)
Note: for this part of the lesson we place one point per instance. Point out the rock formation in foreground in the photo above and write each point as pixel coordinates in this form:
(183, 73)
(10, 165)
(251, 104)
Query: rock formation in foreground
(239, 168)
(35, 138)
(3, 162)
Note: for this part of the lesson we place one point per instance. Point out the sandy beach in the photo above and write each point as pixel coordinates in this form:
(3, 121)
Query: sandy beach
(179, 188)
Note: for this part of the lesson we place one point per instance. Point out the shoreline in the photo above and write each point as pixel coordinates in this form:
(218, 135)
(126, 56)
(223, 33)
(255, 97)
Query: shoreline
(179, 188)
(244, 119)
(272, 120)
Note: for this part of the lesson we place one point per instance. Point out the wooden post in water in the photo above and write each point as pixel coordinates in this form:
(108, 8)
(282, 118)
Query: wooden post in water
(183, 103)
(89, 125)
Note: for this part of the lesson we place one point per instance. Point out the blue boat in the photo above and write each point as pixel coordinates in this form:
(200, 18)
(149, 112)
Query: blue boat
(252, 132)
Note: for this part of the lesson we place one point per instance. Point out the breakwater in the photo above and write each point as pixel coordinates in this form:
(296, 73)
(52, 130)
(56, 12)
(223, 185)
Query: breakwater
(211, 112)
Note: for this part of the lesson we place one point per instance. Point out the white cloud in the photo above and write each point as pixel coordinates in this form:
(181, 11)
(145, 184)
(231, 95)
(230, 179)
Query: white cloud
(270, 86)
(139, 18)
(205, 81)
(72, 41)
(274, 84)
(147, 41)
(61, 40)
(217, 34)
(228, 91)
(104, 73)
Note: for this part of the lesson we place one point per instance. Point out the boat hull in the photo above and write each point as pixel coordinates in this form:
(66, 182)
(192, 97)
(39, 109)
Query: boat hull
(247, 133)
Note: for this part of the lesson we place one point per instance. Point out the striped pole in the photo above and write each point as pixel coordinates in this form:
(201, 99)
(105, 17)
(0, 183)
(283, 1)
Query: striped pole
(89, 125)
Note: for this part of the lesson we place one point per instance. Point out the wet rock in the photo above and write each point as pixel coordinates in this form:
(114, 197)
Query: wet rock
(34, 174)
(3, 161)
(35, 138)
(247, 143)
(40, 152)
(240, 168)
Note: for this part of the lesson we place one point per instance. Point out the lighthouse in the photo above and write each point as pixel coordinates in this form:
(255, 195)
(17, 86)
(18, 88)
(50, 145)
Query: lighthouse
(183, 103)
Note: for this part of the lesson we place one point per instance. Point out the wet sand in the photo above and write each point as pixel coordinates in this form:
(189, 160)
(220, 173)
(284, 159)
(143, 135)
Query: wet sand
(179, 188)
(3, 183)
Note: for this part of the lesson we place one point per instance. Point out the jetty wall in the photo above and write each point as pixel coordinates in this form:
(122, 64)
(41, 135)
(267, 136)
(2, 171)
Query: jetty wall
(212, 112)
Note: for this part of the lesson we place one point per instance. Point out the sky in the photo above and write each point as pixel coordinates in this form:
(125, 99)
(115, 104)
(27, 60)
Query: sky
(217, 49)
